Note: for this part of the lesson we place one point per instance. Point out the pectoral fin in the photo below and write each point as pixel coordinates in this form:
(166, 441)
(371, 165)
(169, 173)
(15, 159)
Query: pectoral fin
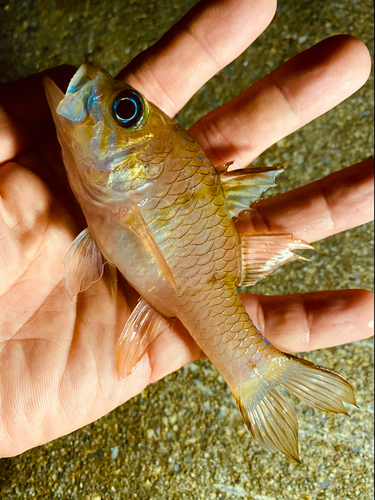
(143, 327)
(262, 254)
(244, 187)
(135, 222)
(84, 265)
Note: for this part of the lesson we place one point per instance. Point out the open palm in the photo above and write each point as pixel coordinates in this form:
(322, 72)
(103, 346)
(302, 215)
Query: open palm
(57, 361)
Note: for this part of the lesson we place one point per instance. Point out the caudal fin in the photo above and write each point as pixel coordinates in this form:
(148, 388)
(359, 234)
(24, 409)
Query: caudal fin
(266, 412)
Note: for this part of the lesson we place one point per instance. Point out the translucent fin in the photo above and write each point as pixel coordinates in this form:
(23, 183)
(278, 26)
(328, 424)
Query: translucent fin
(262, 254)
(271, 420)
(143, 327)
(317, 386)
(135, 222)
(245, 186)
(84, 265)
(268, 415)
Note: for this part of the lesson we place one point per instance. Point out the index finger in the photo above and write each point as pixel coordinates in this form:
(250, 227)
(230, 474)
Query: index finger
(209, 37)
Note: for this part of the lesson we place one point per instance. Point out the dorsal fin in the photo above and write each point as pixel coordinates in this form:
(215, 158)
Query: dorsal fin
(262, 254)
(223, 167)
(244, 187)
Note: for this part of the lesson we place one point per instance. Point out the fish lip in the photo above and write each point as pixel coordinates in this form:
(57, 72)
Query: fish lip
(81, 77)
(81, 87)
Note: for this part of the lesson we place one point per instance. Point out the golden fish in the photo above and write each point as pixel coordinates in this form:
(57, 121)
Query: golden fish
(162, 214)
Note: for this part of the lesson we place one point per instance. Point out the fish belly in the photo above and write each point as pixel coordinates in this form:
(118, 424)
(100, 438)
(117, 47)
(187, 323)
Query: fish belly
(122, 248)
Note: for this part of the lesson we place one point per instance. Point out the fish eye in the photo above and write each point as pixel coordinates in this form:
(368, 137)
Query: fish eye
(128, 108)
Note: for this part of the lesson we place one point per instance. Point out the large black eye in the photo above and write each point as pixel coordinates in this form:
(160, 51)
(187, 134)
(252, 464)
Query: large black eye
(128, 108)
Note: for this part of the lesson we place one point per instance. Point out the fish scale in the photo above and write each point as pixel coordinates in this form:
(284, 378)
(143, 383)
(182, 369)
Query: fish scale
(162, 214)
(206, 329)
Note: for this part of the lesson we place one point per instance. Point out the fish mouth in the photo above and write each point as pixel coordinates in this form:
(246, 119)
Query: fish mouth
(81, 77)
(74, 104)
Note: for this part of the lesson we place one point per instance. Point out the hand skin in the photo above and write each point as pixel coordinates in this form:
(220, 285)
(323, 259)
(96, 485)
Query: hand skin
(57, 364)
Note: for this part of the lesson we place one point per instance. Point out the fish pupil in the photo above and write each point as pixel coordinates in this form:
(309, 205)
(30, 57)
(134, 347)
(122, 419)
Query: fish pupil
(128, 109)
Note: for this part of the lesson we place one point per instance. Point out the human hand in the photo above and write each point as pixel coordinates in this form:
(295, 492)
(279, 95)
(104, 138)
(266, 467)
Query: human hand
(57, 358)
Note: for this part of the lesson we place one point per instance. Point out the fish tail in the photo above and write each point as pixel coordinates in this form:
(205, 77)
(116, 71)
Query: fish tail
(265, 410)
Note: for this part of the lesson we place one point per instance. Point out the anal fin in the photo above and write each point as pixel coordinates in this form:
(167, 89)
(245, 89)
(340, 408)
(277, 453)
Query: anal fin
(85, 264)
(262, 254)
(143, 327)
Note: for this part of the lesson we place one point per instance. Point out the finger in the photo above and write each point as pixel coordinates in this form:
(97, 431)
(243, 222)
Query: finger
(171, 351)
(340, 201)
(13, 137)
(304, 322)
(50, 169)
(209, 37)
(294, 94)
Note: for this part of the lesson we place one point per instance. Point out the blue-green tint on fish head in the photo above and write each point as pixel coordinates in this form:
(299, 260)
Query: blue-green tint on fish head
(83, 75)
(82, 94)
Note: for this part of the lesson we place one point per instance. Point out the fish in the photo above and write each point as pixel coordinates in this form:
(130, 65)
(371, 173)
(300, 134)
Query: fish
(161, 214)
